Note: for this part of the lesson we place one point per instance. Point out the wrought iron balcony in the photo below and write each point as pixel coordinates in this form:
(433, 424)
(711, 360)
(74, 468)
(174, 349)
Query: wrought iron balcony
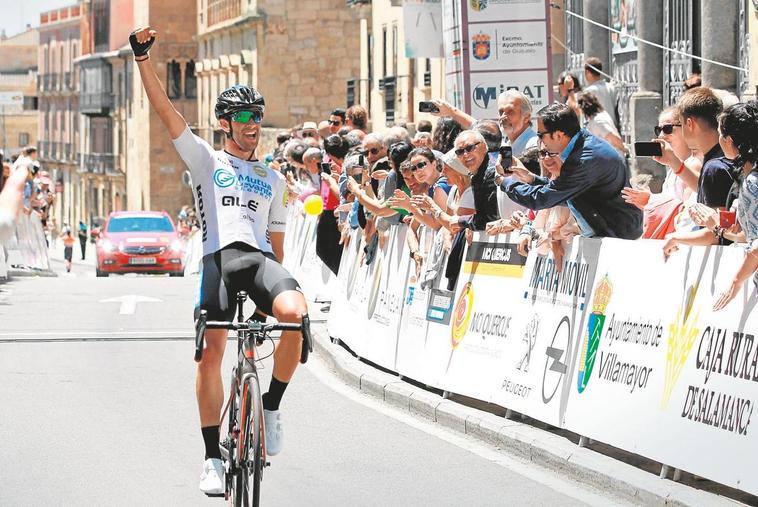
(96, 104)
(99, 163)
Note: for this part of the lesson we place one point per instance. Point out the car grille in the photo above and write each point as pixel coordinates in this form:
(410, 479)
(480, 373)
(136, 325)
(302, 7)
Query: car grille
(144, 250)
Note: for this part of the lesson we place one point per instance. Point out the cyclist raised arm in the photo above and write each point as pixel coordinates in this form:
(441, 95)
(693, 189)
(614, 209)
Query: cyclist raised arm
(141, 41)
(242, 206)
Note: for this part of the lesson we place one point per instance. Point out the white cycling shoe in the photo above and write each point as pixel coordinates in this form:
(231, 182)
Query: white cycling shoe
(212, 478)
(274, 431)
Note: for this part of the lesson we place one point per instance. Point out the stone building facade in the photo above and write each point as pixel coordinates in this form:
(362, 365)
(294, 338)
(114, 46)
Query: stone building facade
(127, 160)
(649, 78)
(18, 83)
(298, 54)
(58, 88)
(390, 85)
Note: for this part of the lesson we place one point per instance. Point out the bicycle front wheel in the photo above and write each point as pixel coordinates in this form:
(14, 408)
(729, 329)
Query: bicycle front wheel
(250, 448)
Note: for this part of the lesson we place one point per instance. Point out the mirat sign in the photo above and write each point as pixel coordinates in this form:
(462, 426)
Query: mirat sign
(500, 47)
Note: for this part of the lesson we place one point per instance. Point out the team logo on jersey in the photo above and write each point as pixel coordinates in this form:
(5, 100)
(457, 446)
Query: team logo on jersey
(260, 171)
(224, 178)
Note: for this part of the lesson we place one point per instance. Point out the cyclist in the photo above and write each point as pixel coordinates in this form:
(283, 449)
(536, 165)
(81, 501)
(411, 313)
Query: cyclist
(242, 206)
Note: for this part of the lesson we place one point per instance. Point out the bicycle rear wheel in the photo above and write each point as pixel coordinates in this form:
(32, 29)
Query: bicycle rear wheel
(250, 445)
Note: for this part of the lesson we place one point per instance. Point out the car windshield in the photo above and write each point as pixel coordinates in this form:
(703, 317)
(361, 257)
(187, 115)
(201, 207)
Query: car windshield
(140, 224)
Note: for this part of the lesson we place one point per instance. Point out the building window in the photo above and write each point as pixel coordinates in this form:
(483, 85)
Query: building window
(384, 51)
(23, 139)
(30, 103)
(190, 80)
(174, 82)
(394, 49)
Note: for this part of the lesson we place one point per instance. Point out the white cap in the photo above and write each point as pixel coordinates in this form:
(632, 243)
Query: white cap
(451, 160)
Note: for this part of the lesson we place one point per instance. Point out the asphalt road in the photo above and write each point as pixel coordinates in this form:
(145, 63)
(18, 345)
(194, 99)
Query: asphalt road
(98, 408)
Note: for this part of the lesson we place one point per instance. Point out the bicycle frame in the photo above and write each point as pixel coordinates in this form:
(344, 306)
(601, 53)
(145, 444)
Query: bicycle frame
(250, 332)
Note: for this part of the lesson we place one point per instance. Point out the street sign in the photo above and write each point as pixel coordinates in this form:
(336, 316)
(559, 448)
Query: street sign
(11, 98)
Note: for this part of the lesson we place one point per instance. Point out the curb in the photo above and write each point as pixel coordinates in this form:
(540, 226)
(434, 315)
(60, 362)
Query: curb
(523, 440)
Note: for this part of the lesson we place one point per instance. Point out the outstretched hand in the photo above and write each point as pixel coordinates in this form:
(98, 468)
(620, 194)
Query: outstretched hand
(142, 40)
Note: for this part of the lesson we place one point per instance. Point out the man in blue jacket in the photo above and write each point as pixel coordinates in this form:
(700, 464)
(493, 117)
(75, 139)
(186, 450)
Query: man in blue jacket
(592, 176)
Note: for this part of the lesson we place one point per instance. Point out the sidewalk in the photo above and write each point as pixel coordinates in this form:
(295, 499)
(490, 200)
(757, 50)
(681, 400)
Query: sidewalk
(600, 466)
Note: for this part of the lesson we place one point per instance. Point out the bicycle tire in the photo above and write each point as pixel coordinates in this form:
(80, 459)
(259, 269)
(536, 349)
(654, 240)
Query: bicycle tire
(250, 444)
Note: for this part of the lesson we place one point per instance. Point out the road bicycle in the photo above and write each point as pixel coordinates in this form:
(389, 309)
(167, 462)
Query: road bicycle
(244, 449)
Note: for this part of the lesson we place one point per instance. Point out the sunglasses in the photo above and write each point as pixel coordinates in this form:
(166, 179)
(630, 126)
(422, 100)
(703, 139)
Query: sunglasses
(335, 122)
(547, 154)
(372, 151)
(255, 115)
(309, 134)
(467, 149)
(667, 129)
(418, 166)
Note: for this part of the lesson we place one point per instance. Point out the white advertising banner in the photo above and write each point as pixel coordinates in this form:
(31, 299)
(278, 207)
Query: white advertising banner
(423, 28)
(552, 301)
(661, 375)
(412, 358)
(385, 298)
(338, 323)
(482, 326)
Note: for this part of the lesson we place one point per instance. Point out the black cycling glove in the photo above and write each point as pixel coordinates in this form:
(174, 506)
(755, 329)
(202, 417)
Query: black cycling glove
(140, 49)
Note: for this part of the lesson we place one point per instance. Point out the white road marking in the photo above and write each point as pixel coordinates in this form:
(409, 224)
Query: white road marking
(534, 472)
(75, 334)
(129, 302)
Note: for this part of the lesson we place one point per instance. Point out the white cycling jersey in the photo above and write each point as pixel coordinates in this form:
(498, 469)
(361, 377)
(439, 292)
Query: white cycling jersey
(235, 199)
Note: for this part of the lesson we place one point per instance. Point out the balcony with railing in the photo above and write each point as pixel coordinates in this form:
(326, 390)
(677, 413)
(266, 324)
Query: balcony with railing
(54, 151)
(96, 95)
(56, 82)
(96, 103)
(222, 10)
(99, 163)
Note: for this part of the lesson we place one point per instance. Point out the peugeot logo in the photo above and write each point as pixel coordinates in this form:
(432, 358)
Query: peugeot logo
(224, 178)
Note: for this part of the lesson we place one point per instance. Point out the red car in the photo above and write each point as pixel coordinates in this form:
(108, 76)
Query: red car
(139, 242)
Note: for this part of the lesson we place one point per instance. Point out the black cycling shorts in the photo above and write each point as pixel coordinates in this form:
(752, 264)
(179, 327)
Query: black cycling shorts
(237, 267)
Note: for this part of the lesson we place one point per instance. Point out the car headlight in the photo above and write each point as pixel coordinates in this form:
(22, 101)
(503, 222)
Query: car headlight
(108, 246)
(177, 246)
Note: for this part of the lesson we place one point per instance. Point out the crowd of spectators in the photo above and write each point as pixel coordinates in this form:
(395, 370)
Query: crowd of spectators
(25, 189)
(568, 175)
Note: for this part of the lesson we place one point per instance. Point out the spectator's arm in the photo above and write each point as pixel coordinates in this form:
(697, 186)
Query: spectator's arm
(11, 199)
(701, 237)
(747, 268)
(465, 120)
(539, 195)
(424, 218)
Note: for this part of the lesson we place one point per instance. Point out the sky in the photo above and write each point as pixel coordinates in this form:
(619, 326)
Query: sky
(15, 14)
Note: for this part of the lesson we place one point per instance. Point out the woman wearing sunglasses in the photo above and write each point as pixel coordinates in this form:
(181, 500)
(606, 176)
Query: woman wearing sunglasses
(662, 211)
(426, 169)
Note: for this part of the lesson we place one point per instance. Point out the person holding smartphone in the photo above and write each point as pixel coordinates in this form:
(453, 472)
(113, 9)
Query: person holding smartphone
(737, 127)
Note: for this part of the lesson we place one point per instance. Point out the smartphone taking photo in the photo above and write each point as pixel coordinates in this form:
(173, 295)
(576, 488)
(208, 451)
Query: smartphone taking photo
(648, 149)
(427, 106)
(506, 158)
(324, 167)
